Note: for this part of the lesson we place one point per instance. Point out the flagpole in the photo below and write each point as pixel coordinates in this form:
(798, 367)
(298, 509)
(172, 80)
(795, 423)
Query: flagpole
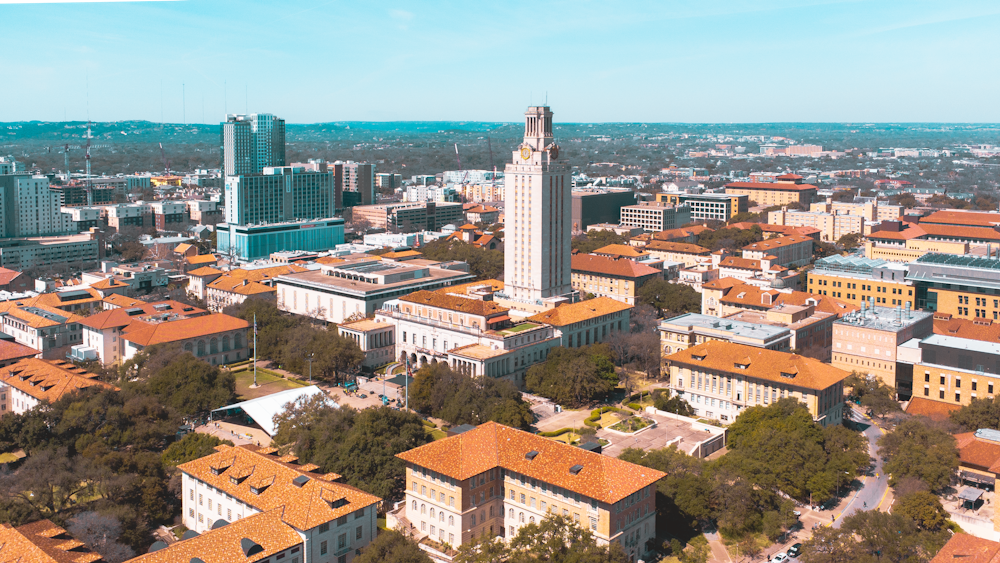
(255, 349)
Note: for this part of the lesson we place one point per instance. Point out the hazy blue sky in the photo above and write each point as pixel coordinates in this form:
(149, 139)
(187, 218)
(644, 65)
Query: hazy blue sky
(337, 60)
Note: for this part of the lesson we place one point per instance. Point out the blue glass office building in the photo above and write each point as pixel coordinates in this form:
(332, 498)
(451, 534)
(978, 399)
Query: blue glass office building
(250, 242)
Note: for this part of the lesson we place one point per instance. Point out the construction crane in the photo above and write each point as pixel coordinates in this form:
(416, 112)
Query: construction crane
(88, 156)
(166, 163)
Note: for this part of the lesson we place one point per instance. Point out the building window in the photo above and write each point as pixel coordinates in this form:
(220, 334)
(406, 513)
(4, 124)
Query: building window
(322, 548)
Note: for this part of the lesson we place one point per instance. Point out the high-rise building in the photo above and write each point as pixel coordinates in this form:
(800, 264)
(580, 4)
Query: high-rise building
(252, 142)
(538, 215)
(357, 177)
(285, 193)
(31, 208)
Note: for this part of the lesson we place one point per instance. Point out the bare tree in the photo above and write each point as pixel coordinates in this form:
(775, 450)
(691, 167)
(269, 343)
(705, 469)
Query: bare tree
(101, 533)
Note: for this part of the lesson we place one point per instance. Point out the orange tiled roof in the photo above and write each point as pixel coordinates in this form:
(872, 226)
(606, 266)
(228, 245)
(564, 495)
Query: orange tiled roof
(146, 334)
(981, 329)
(54, 299)
(204, 271)
(745, 295)
(764, 364)
(682, 232)
(402, 254)
(202, 259)
(18, 310)
(42, 542)
(964, 548)
(455, 303)
(305, 507)
(910, 232)
(679, 247)
(934, 410)
(223, 545)
(772, 186)
(620, 250)
(121, 300)
(978, 453)
(968, 218)
(747, 264)
(492, 445)
(120, 317)
(48, 380)
(7, 276)
(183, 247)
(109, 283)
(10, 350)
(722, 283)
(580, 311)
(981, 233)
(602, 265)
(777, 242)
(329, 260)
(495, 285)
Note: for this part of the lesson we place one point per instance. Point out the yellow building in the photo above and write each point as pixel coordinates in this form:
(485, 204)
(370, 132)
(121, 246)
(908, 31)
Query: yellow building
(963, 286)
(769, 194)
(910, 250)
(721, 379)
(871, 341)
(958, 362)
(720, 207)
(858, 280)
(680, 252)
(494, 480)
(607, 277)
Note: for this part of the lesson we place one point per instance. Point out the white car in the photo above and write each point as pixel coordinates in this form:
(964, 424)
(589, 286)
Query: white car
(779, 557)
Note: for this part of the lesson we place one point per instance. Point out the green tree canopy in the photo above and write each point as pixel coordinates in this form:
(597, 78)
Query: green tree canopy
(670, 298)
(191, 447)
(484, 263)
(916, 448)
(981, 412)
(440, 391)
(873, 537)
(391, 546)
(556, 539)
(592, 240)
(574, 376)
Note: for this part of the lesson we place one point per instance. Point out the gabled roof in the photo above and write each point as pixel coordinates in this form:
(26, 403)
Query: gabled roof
(491, 445)
(984, 330)
(468, 305)
(965, 548)
(121, 301)
(977, 452)
(963, 218)
(205, 271)
(622, 250)
(565, 315)
(934, 410)
(747, 264)
(745, 295)
(37, 315)
(305, 507)
(10, 350)
(770, 365)
(773, 186)
(225, 544)
(42, 542)
(202, 259)
(183, 247)
(682, 232)
(679, 247)
(125, 316)
(146, 334)
(7, 276)
(495, 285)
(770, 244)
(48, 380)
(602, 265)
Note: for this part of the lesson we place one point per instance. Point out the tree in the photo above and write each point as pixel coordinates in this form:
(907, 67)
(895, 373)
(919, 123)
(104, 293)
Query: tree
(101, 533)
(359, 445)
(131, 251)
(390, 545)
(915, 448)
(924, 508)
(192, 386)
(873, 394)
(192, 446)
(440, 391)
(872, 537)
(48, 482)
(556, 539)
(670, 298)
(574, 376)
(665, 400)
(592, 240)
(981, 412)
(730, 239)
(332, 353)
(850, 241)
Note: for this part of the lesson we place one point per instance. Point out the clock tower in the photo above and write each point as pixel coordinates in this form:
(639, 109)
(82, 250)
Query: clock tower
(537, 224)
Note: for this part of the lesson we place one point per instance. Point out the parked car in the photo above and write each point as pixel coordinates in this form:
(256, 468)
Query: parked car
(795, 550)
(779, 557)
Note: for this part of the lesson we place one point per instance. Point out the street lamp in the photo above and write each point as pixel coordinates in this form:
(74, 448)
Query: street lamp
(310, 359)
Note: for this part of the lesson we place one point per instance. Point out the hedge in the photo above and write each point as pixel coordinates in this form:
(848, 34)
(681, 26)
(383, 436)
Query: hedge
(635, 406)
(595, 415)
(554, 433)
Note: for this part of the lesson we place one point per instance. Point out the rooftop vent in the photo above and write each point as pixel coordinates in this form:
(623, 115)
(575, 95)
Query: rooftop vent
(575, 470)
(250, 547)
(530, 455)
(300, 481)
(219, 523)
(157, 546)
(189, 534)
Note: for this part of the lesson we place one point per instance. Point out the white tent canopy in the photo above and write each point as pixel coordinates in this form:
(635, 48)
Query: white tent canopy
(263, 409)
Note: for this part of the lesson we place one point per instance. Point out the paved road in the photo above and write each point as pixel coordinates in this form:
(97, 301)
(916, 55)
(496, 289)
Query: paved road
(875, 486)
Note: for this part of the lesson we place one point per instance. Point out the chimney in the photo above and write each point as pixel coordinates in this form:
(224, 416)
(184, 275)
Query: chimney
(908, 315)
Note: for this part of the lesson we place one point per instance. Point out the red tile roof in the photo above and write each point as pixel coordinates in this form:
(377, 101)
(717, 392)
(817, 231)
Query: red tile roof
(10, 350)
(978, 453)
(679, 247)
(772, 186)
(603, 265)
(491, 445)
(146, 334)
(963, 218)
(120, 317)
(48, 380)
(964, 548)
(981, 329)
(7, 276)
(953, 231)
(777, 242)
(934, 410)
(572, 313)
(42, 542)
(455, 303)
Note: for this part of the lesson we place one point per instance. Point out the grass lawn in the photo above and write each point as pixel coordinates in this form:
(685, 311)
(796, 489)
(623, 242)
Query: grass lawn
(400, 369)
(7, 458)
(519, 328)
(608, 419)
(434, 433)
(567, 438)
(268, 381)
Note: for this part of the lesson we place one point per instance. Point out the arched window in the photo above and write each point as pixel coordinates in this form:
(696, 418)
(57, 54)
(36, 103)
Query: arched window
(225, 343)
(189, 347)
(441, 516)
(423, 509)
(201, 348)
(432, 513)
(451, 520)
(531, 519)
(520, 517)
(414, 506)
(238, 340)
(214, 347)
(511, 514)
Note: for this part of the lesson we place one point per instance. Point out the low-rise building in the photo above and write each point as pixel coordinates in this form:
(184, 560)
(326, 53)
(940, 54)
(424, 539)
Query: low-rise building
(858, 280)
(684, 331)
(727, 296)
(47, 329)
(762, 273)
(410, 217)
(704, 207)
(484, 214)
(297, 511)
(866, 341)
(791, 251)
(376, 339)
(169, 215)
(831, 226)
(32, 381)
(655, 216)
(620, 279)
(103, 332)
(26, 253)
(811, 330)
(361, 286)
(237, 285)
(680, 252)
(769, 194)
(586, 322)
(255, 241)
(967, 287)
(720, 379)
(519, 479)
(216, 338)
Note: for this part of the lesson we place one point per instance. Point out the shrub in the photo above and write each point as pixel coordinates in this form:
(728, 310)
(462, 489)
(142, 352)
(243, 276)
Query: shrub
(635, 406)
(554, 433)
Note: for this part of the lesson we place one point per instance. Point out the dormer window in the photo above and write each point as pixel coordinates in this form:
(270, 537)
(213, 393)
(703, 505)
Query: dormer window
(530, 455)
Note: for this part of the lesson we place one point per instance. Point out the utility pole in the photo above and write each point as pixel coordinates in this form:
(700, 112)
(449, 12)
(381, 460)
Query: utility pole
(310, 358)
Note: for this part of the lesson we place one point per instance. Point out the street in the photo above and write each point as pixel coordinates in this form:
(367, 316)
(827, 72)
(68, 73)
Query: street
(875, 485)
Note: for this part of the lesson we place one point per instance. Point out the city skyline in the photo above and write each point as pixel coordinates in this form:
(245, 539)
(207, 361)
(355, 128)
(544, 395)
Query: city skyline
(779, 61)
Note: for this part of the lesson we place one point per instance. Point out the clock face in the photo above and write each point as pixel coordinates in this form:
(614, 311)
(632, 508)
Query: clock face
(554, 152)
(525, 153)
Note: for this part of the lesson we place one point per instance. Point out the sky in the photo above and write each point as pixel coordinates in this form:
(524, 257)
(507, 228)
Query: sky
(698, 61)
